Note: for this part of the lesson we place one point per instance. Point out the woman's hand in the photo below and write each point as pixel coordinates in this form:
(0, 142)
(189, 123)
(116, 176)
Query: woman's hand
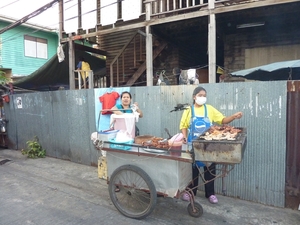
(184, 133)
(229, 119)
(138, 109)
(116, 111)
(136, 105)
(237, 115)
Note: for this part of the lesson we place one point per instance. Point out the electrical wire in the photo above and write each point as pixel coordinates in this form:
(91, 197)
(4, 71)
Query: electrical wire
(171, 76)
(36, 30)
(9, 4)
(74, 17)
(141, 82)
(12, 38)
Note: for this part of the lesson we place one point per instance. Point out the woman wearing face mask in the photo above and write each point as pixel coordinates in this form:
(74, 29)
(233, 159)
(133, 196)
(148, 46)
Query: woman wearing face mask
(203, 116)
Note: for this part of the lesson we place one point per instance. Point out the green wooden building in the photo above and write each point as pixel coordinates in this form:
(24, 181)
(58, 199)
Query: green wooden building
(25, 48)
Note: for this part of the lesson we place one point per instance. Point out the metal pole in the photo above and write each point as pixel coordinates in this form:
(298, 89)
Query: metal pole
(212, 43)
(224, 174)
(149, 47)
(61, 19)
(71, 63)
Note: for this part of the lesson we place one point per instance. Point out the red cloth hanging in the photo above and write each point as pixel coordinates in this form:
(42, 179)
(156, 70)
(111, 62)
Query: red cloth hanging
(108, 101)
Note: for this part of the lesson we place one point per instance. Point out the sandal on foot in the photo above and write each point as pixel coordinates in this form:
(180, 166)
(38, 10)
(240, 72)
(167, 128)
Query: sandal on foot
(213, 199)
(185, 197)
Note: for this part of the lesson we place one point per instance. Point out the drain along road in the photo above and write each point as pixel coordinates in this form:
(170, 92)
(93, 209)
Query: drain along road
(57, 192)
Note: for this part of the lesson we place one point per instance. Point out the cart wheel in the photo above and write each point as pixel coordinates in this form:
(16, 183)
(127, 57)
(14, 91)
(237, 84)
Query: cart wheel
(136, 196)
(198, 210)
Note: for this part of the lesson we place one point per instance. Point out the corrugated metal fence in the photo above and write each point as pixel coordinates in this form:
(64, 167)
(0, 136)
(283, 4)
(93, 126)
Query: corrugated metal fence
(64, 121)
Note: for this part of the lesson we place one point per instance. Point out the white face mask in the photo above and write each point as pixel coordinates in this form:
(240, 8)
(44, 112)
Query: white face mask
(200, 100)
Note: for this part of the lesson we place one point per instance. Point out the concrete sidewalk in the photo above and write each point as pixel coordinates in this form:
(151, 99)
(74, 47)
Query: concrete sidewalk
(53, 191)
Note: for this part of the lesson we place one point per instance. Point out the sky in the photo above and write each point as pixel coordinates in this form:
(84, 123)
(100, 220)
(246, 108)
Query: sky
(17, 9)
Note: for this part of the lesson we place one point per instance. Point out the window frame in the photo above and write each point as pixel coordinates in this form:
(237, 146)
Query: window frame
(35, 47)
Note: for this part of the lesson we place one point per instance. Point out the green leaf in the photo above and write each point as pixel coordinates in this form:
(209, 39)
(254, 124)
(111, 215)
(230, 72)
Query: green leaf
(34, 149)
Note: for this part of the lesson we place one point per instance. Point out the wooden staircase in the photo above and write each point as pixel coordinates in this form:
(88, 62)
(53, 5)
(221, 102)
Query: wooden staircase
(142, 67)
(130, 63)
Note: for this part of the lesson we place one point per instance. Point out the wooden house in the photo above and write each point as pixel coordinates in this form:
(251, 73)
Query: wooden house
(164, 34)
(25, 48)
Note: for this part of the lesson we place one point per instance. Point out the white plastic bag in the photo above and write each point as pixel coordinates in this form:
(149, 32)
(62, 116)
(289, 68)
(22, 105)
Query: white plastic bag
(60, 53)
(123, 136)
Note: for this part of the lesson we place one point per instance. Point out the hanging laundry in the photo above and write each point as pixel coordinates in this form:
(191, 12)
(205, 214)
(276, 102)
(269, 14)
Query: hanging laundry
(108, 100)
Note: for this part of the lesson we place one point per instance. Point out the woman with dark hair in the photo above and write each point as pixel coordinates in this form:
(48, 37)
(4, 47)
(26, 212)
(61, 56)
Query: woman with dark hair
(194, 121)
(126, 105)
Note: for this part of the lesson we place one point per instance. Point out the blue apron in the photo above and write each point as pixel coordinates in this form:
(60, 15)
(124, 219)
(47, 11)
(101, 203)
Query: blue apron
(199, 124)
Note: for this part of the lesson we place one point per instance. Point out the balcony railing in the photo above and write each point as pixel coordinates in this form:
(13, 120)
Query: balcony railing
(85, 79)
(168, 6)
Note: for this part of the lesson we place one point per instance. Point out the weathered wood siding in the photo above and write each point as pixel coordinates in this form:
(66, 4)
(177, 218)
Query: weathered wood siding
(12, 49)
(236, 46)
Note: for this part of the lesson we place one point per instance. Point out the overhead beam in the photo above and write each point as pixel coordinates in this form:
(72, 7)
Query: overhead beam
(196, 14)
(89, 49)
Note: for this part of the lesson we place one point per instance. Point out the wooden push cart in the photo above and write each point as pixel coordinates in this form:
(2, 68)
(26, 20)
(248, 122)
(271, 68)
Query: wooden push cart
(137, 175)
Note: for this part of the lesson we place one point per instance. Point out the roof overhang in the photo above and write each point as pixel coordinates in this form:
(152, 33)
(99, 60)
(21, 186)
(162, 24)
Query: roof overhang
(31, 25)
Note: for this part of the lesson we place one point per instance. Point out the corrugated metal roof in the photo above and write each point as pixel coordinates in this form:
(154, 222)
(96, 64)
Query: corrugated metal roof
(269, 67)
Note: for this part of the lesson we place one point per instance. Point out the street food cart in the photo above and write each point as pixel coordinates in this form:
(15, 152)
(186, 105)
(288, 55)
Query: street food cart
(137, 174)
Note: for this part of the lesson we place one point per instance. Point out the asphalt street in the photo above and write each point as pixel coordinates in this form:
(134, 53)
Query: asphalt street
(58, 192)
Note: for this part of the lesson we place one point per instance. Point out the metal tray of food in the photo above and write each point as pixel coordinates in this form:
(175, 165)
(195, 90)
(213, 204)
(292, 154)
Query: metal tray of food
(156, 151)
(221, 151)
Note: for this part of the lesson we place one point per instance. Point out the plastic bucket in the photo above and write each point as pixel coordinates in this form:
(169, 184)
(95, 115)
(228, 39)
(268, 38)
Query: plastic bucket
(125, 122)
(175, 148)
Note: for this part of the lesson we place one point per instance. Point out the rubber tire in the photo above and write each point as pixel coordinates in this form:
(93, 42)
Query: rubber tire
(199, 210)
(142, 175)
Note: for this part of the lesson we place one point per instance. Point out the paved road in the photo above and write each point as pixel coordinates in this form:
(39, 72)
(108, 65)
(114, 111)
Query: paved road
(57, 192)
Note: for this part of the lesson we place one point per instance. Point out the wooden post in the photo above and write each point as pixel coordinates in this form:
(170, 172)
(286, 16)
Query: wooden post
(61, 19)
(98, 12)
(211, 43)
(79, 15)
(71, 63)
(149, 47)
(149, 57)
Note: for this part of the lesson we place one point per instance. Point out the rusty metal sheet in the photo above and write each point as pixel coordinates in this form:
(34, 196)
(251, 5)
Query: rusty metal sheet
(292, 184)
(223, 151)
